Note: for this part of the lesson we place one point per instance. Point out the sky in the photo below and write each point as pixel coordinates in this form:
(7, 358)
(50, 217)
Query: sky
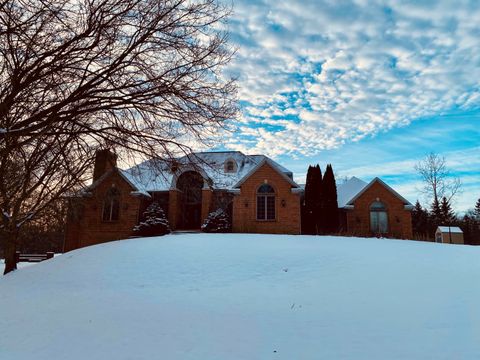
(369, 86)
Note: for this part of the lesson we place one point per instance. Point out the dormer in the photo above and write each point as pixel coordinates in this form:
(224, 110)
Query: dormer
(230, 166)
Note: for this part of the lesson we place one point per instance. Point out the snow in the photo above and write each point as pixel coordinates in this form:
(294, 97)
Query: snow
(154, 175)
(246, 296)
(348, 190)
(453, 229)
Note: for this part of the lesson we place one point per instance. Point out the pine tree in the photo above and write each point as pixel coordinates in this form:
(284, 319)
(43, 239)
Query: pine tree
(330, 202)
(420, 221)
(448, 216)
(308, 224)
(154, 224)
(217, 222)
(436, 214)
(477, 210)
(318, 213)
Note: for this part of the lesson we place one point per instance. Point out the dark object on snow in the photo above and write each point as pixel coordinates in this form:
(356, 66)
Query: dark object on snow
(217, 222)
(154, 224)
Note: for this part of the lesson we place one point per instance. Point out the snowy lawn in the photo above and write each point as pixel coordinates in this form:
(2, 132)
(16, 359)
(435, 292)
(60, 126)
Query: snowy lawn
(209, 297)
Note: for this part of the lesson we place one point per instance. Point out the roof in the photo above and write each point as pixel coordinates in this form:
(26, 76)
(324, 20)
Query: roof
(348, 190)
(352, 189)
(452, 229)
(157, 175)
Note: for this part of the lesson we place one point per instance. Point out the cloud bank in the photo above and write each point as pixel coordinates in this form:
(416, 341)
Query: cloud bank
(317, 74)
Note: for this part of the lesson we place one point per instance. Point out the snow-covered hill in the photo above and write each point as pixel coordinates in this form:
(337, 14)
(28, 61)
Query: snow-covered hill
(209, 297)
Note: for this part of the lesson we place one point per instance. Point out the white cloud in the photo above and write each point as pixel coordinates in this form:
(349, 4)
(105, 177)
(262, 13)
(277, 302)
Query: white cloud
(340, 71)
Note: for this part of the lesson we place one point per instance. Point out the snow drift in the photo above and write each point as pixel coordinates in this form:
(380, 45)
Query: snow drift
(231, 296)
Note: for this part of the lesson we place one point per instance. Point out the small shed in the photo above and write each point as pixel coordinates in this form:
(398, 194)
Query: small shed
(449, 235)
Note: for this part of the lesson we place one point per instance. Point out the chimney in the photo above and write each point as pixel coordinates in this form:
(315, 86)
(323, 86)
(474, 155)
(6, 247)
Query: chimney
(105, 160)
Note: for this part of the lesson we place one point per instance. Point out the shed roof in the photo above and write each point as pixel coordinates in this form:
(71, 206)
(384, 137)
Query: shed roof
(452, 229)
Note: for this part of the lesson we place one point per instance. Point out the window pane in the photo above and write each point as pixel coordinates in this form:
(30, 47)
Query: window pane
(382, 222)
(265, 189)
(107, 207)
(270, 207)
(261, 208)
(374, 221)
(115, 209)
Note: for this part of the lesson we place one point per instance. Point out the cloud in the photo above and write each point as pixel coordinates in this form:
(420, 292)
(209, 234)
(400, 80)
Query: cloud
(316, 74)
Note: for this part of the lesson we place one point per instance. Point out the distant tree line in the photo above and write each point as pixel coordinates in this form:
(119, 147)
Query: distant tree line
(320, 206)
(425, 221)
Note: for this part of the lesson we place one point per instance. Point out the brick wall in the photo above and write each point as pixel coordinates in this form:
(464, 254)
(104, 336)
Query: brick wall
(399, 219)
(88, 228)
(287, 218)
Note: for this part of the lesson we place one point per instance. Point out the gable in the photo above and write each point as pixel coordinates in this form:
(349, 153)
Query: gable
(381, 183)
(266, 162)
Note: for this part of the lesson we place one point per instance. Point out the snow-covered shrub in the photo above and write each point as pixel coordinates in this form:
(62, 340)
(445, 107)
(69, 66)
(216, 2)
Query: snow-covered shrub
(155, 223)
(217, 222)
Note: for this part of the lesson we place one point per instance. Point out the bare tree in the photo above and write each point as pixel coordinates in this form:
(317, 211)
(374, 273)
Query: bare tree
(437, 180)
(141, 76)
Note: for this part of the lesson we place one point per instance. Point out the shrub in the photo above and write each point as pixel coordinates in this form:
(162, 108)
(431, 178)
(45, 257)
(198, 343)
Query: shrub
(217, 222)
(154, 224)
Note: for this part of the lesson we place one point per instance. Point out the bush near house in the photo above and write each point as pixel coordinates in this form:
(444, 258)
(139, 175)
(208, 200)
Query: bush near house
(155, 222)
(217, 222)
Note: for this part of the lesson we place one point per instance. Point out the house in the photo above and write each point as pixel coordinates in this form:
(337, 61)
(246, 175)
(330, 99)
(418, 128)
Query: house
(259, 195)
(373, 209)
(449, 235)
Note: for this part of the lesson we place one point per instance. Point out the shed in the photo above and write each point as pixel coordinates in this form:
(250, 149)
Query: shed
(449, 235)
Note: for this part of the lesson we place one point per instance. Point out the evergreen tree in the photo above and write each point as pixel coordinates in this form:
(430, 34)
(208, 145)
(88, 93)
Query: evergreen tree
(436, 215)
(330, 202)
(217, 222)
(154, 224)
(447, 214)
(420, 221)
(318, 213)
(477, 209)
(308, 226)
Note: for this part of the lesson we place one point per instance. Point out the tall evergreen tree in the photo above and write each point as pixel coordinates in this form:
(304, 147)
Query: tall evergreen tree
(318, 213)
(308, 226)
(477, 209)
(330, 202)
(448, 215)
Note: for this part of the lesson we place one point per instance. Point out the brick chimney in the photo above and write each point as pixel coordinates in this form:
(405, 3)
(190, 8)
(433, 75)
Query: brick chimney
(105, 160)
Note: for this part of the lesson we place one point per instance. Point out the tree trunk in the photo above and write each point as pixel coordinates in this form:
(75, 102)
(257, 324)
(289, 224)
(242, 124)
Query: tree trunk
(9, 248)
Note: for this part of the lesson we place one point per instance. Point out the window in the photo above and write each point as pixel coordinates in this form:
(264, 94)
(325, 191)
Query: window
(265, 203)
(111, 205)
(230, 166)
(378, 218)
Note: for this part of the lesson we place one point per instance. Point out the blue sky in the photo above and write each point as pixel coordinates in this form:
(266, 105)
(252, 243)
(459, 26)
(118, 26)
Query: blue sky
(369, 86)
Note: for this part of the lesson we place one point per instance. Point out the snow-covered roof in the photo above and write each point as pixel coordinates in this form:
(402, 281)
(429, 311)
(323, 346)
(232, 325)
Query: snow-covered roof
(158, 175)
(353, 188)
(452, 229)
(348, 190)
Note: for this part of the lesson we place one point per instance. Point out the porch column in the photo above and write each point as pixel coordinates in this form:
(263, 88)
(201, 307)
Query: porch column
(173, 208)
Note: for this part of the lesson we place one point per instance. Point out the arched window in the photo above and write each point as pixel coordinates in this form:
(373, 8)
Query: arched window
(111, 205)
(230, 166)
(265, 202)
(378, 218)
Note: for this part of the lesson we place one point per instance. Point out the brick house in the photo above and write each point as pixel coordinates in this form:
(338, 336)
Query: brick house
(373, 209)
(259, 195)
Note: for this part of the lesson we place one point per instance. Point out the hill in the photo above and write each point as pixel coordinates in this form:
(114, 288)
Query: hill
(245, 296)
